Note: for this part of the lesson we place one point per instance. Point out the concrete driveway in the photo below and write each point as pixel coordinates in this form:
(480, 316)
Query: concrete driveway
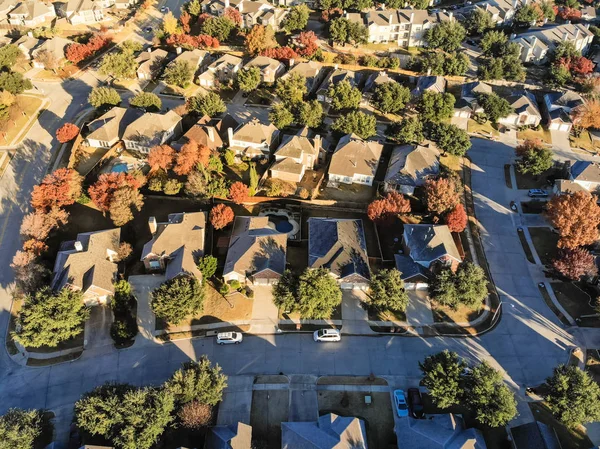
(97, 327)
(560, 140)
(418, 312)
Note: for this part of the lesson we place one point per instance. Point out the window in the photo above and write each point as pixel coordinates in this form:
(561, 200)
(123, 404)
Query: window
(154, 264)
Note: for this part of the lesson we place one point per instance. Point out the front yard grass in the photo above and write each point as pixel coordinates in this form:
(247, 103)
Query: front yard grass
(386, 315)
(544, 242)
(569, 439)
(463, 314)
(533, 206)
(335, 315)
(526, 181)
(269, 409)
(531, 134)
(29, 105)
(576, 302)
(551, 306)
(486, 128)
(583, 141)
(378, 415)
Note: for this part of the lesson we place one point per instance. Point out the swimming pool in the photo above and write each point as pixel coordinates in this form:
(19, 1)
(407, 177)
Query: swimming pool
(281, 223)
(120, 168)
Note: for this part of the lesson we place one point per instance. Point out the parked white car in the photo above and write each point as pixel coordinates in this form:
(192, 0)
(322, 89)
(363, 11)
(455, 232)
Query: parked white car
(327, 335)
(227, 338)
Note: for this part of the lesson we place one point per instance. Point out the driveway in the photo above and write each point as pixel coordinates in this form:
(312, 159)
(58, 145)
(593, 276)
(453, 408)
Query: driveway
(418, 312)
(461, 122)
(142, 286)
(560, 140)
(97, 327)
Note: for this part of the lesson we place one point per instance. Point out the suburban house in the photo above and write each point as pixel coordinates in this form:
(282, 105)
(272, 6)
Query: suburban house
(256, 252)
(195, 58)
(27, 44)
(151, 129)
(203, 133)
(253, 139)
(311, 70)
(502, 11)
(585, 175)
(443, 431)
(432, 247)
(410, 166)
(222, 70)
(270, 69)
(108, 129)
(89, 265)
(261, 12)
(234, 436)
(86, 11)
(340, 246)
(31, 13)
(559, 108)
(536, 44)
(335, 77)
(54, 47)
(403, 27)
(525, 110)
(534, 435)
(588, 13)
(467, 104)
(295, 155)
(328, 432)
(150, 63)
(435, 84)
(176, 245)
(355, 160)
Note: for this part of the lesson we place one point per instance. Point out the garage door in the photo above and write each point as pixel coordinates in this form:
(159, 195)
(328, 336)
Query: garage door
(352, 286)
(421, 286)
(565, 127)
(410, 286)
(553, 126)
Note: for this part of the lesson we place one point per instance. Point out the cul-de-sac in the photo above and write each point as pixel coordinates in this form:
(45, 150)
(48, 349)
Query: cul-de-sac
(299, 224)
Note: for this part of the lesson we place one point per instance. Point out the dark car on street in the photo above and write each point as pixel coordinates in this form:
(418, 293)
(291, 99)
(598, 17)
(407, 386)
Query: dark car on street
(415, 403)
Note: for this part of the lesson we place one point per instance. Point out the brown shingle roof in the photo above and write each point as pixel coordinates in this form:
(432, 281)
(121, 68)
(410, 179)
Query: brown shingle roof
(355, 156)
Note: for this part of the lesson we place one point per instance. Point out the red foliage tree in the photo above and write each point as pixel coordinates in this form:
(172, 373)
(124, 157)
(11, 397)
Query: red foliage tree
(280, 53)
(567, 13)
(103, 191)
(576, 217)
(185, 40)
(59, 188)
(185, 18)
(456, 219)
(441, 195)
(38, 225)
(332, 13)
(161, 158)
(239, 192)
(384, 209)
(582, 66)
(67, 132)
(574, 263)
(186, 159)
(221, 215)
(233, 14)
(78, 52)
(306, 43)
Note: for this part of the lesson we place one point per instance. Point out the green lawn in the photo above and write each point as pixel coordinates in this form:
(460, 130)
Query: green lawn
(544, 241)
(584, 141)
(533, 206)
(482, 128)
(526, 181)
(576, 302)
(525, 246)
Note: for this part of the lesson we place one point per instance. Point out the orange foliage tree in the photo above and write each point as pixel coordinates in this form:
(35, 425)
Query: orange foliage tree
(38, 225)
(441, 195)
(67, 132)
(587, 115)
(103, 191)
(161, 158)
(576, 217)
(384, 209)
(59, 188)
(456, 219)
(306, 43)
(234, 15)
(239, 192)
(221, 215)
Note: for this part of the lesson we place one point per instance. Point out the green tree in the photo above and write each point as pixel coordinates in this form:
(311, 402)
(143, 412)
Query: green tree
(526, 15)
(318, 294)
(101, 97)
(573, 396)
(281, 116)
(147, 101)
(310, 114)
(297, 19)
(491, 400)
(507, 67)
(130, 418)
(534, 158)
(456, 64)
(493, 43)
(14, 82)
(387, 291)
(48, 318)
(179, 73)
(356, 122)
(9, 55)
(20, 429)
(344, 31)
(131, 46)
(391, 97)
(548, 10)
(432, 62)
(344, 96)
(467, 286)
(291, 90)
(218, 27)
(450, 138)
(193, 7)
(210, 104)
(442, 376)
(479, 21)
(407, 130)
(177, 298)
(494, 106)
(197, 381)
(249, 78)
(447, 36)
(436, 106)
(120, 65)
(285, 292)
(208, 267)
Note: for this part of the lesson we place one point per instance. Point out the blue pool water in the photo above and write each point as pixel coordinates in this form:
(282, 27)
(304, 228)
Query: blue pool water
(120, 168)
(281, 223)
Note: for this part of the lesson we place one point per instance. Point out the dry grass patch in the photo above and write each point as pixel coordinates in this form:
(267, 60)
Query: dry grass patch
(444, 314)
(531, 134)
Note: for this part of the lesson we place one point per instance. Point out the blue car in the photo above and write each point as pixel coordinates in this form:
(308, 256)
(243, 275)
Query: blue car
(400, 403)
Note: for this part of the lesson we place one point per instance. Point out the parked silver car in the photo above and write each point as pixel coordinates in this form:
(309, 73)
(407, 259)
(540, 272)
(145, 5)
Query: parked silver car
(228, 338)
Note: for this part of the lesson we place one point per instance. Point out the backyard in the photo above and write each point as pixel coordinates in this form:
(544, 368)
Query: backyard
(269, 409)
(578, 303)
(544, 242)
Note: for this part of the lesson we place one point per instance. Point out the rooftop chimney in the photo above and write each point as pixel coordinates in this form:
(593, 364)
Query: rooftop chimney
(211, 133)
(152, 225)
(564, 36)
(78, 246)
(226, 3)
(390, 19)
(292, 62)
(178, 50)
(317, 142)
(230, 135)
(412, 17)
(149, 49)
(29, 34)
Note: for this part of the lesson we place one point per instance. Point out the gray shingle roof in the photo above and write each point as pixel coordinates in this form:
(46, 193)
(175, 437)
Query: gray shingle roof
(411, 164)
(329, 432)
(535, 435)
(113, 123)
(585, 171)
(355, 156)
(428, 243)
